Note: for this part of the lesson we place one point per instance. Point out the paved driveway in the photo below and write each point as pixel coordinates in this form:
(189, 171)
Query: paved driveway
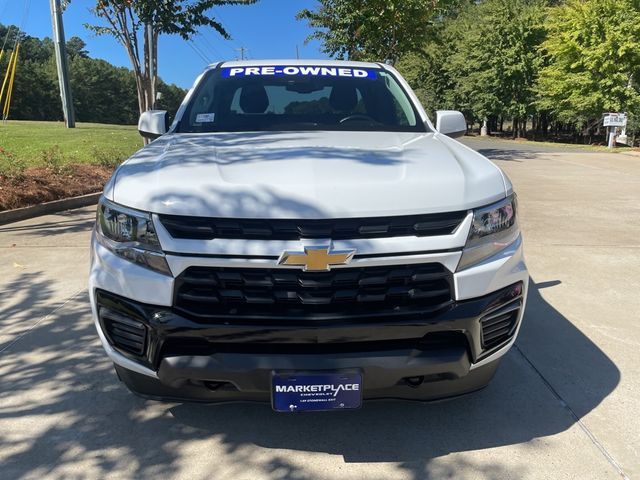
(563, 405)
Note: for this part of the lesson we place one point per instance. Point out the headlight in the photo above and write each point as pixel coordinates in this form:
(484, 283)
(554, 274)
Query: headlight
(130, 234)
(493, 228)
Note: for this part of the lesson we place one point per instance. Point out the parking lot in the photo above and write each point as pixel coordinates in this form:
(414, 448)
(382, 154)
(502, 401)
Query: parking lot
(564, 403)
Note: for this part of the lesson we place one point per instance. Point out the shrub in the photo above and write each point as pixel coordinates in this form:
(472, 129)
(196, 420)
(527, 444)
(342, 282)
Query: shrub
(108, 157)
(10, 165)
(54, 159)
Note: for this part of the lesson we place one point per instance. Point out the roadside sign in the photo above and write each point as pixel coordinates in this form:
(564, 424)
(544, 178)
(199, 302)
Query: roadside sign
(615, 120)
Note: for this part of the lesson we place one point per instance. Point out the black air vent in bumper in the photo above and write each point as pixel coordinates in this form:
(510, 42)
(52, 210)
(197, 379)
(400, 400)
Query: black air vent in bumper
(124, 333)
(499, 326)
(204, 228)
(291, 294)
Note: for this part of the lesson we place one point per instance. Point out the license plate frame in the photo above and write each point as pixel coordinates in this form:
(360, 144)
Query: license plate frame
(316, 391)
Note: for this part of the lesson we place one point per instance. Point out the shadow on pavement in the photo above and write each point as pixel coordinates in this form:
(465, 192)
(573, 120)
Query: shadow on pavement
(61, 406)
(66, 222)
(29, 292)
(507, 155)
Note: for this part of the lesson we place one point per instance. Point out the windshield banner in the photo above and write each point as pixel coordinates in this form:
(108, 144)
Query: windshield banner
(299, 71)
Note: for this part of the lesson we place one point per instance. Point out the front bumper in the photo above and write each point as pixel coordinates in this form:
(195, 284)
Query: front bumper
(426, 387)
(407, 358)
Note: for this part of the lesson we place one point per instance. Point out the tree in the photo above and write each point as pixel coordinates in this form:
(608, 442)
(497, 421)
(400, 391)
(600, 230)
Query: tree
(136, 25)
(593, 54)
(483, 61)
(102, 92)
(171, 97)
(502, 61)
(378, 30)
(77, 48)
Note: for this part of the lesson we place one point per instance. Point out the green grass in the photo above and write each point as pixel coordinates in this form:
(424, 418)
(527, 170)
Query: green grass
(25, 144)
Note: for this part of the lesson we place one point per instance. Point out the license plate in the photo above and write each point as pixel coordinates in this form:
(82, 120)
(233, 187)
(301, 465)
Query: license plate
(318, 391)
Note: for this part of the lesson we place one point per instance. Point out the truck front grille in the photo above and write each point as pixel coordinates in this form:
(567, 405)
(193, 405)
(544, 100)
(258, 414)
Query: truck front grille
(204, 228)
(290, 294)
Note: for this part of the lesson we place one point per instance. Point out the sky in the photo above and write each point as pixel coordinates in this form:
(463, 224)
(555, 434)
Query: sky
(268, 29)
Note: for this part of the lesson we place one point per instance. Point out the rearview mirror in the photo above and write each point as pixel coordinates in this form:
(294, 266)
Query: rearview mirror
(451, 123)
(153, 123)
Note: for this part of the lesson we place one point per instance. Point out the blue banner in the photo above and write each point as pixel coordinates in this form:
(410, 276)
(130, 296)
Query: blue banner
(294, 70)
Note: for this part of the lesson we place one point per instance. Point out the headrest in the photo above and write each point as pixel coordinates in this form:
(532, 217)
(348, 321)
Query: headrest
(343, 98)
(253, 99)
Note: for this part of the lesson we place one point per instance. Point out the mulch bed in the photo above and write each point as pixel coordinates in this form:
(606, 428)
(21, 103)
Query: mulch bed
(38, 185)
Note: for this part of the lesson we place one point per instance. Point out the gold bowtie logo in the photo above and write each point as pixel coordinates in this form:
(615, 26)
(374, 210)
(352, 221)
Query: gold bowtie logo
(316, 259)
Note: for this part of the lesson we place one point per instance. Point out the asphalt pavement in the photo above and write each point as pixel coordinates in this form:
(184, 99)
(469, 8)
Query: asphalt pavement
(563, 404)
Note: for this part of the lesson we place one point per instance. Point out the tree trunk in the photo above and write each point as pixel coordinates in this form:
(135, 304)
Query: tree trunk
(155, 65)
(146, 74)
(515, 128)
(493, 124)
(535, 123)
(146, 80)
(150, 77)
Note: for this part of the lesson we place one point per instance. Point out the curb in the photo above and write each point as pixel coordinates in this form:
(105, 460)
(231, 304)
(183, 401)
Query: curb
(10, 216)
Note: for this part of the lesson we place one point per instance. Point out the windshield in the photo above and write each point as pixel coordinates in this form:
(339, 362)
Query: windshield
(299, 98)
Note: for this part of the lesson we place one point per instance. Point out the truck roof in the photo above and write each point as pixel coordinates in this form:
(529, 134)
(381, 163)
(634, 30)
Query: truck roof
(320, 63)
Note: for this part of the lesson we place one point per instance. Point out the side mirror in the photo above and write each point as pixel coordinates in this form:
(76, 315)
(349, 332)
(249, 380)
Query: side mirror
(153, 123)
(451, 123)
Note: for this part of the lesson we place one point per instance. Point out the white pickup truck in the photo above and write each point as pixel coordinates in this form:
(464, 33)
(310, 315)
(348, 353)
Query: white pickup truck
(302, 234)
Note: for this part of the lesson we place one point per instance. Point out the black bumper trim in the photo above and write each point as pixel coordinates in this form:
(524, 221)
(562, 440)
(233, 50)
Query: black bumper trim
(248, 373)
(431, 389)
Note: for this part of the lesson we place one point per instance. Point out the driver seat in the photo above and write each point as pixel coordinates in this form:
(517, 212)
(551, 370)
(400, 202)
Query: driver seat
(343, 98)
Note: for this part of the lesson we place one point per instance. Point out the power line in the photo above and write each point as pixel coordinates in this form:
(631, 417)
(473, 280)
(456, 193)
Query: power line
(199, 52)
(210, 47)
(4, 10)
(229, 46)
(233, 39)
(202, 50)
(25, 12)
(6, 37)
(222, 21)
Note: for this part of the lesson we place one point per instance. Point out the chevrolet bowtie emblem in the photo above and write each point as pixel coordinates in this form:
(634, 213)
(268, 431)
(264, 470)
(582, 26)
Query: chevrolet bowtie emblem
(316, 259)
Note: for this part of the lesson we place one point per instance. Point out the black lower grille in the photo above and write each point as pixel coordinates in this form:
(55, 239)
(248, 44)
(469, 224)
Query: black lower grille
(124, 333)
(499, 326)
(199, 346)
(292, 294)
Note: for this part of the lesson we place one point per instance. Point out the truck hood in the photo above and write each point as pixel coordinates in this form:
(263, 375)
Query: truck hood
(305, 175)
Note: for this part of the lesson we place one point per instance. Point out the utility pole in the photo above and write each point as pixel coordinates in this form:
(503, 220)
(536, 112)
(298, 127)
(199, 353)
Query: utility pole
(297, 53)
(62, 64)
(242, 50)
